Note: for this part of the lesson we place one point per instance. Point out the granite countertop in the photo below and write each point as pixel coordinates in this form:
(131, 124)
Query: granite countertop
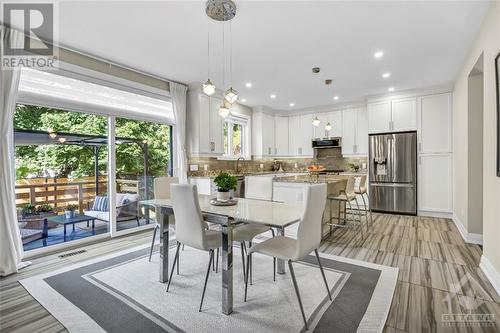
(213, 174)
(307, 179)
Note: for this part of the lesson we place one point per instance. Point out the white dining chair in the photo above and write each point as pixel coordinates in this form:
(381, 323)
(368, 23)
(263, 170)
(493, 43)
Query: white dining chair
(257, 188)
(190, 228)
(161, 190)
(308, 240)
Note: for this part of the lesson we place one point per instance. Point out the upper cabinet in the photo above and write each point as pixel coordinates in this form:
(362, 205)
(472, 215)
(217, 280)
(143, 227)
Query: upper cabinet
(270, 135)
(300, 134)
(392, 115)
(354, 132)
(205, 126)
(435, 124)
(281, 136)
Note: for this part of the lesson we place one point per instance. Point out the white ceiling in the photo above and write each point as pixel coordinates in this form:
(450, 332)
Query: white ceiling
(275, 44)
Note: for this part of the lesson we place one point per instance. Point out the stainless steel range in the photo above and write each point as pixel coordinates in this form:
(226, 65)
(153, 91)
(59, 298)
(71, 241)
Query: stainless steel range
(393, 172)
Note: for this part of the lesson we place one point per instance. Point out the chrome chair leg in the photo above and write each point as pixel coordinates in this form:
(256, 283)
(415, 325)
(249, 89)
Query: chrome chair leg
(369, 208)
(217, 262)
(353, 218)
(243, 259)
(359, 215)
(153, 241)
(173, 265)
(292, 273)
(210, 263)
(246, 277)
(365, 210)
(323, 273)
(274, 269)
(251, 264)
(272, 231)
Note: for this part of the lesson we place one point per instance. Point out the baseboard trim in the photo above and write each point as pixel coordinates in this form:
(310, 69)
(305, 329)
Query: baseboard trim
(491, 273)
(431, 213)
(467, 236)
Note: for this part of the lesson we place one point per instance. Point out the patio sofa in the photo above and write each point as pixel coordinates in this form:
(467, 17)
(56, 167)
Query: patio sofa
(126, 209)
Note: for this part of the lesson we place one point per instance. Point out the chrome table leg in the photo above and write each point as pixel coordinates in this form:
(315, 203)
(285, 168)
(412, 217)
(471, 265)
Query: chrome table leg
(227, 267)
(281, 263)
(163, 216)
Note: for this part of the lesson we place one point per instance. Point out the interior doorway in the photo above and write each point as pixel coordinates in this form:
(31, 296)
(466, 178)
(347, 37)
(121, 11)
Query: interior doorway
(475, 148)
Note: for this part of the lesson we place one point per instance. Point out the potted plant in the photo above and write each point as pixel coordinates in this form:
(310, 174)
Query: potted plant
(45, 208)
(225, 183)
(29, 209)
(69, 212)
(354, 167)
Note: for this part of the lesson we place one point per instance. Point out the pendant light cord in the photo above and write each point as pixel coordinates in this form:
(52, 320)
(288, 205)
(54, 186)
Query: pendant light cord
(223, 56)
(208, 53)
(230, 55)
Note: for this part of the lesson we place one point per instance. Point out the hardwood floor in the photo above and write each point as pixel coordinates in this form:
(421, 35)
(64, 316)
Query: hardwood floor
(439, 275)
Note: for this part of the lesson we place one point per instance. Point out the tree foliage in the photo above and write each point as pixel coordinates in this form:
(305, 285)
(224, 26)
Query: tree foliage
(78, 161)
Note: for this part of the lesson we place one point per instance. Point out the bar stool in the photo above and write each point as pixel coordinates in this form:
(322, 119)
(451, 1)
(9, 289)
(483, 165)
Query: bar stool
(346, 197)
(361, 190)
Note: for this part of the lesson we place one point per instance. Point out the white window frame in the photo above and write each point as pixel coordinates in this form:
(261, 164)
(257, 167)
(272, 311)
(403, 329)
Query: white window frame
(245, 137)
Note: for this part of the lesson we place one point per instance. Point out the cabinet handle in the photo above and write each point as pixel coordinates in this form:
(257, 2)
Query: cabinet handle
(269, 151)
(419, 146)
(300, 151)
(275, 151)
(212, 146)
(419, 160)
(355, 148)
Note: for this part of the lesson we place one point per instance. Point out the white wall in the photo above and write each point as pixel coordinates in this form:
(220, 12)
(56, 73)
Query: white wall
(488, 43)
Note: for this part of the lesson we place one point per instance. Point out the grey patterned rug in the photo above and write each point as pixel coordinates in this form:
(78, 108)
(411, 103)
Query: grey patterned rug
(121, 293)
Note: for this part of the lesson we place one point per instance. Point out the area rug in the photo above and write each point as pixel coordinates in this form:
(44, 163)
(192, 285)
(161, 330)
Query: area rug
(121, 293)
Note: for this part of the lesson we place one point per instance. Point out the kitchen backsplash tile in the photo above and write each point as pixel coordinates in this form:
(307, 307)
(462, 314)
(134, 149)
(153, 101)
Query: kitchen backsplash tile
(330, 158)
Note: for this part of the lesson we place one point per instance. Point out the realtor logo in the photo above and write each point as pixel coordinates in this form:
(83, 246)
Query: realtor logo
(28, 34)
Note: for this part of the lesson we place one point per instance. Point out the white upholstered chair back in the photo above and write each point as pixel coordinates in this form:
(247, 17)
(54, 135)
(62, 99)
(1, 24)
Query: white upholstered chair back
(189, 224)
(259, 187)
(309, 233)
(362, 184)
(162, 186)
(349, 189)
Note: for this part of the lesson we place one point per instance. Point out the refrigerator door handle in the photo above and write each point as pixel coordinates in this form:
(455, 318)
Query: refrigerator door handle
(392, 184)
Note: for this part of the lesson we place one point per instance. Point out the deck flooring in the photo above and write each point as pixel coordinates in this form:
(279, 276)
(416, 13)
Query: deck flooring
(439, 274)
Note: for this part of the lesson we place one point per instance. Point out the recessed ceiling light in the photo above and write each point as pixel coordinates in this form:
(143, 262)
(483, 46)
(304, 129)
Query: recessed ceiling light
(273, 96)
(292, 104)
(243, 100)
(378, 54)
(391, 89)
(386, 75)
(248, 84)
(335, 97)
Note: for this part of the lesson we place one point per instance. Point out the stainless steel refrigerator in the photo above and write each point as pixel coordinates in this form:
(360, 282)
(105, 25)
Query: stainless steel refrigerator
(393, 172)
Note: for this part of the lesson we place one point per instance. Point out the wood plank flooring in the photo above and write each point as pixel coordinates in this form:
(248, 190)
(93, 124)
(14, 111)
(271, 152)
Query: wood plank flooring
(438, 275)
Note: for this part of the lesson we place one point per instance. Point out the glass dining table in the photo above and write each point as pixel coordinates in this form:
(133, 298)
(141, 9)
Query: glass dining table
(277, 215)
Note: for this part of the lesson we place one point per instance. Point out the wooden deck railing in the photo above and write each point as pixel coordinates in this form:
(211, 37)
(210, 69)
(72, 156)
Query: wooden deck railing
(61, 192)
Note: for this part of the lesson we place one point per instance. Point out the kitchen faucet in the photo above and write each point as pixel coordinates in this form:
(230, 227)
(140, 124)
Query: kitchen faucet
(238, 162)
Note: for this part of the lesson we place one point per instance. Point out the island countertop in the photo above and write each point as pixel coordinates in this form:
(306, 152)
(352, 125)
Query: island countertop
(308, 179)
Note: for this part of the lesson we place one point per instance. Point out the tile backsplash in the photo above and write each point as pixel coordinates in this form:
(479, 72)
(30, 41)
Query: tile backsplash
(330, 158)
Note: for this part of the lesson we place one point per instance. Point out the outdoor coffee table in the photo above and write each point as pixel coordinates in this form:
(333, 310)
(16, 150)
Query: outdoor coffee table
(61, 219)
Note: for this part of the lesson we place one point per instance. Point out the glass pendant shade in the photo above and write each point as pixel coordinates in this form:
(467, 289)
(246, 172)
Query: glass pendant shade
(231, 95)
(224, 111)
(316, 122)
(208, 88)
(52, 135)
(328, 126)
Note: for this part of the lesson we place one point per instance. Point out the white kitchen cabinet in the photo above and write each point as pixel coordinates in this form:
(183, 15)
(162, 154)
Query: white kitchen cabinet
(404, 114)
(354, 132)
(435, 124)
(281, 136)
(435, 183)
(267, 135)
(379, 117)
(204, 125)
(392, 115)
(306, 135)
(293, 135)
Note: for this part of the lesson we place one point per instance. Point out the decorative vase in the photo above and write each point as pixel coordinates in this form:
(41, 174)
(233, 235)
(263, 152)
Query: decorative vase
(223, 196)
(70, 214)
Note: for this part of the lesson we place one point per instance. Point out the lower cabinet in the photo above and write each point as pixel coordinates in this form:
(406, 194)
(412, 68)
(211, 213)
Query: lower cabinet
(435, 183)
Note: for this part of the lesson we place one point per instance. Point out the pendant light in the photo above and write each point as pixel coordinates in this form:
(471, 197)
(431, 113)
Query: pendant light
(328, 127)
(316, 121)
(208, 87)
(231, 95)
(224, 110)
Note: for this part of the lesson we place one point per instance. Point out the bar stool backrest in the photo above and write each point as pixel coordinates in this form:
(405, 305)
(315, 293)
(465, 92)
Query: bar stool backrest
(349, 189)
(362, 185)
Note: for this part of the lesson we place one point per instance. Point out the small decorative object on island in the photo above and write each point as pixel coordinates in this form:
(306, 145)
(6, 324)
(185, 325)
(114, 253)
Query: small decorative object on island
(69, 212)
(354, 167)
(225, 183)
(314, 170)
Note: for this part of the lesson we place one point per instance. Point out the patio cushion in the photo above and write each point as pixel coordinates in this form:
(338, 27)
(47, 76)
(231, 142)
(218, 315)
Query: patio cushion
(103, 216)
(101, 204)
